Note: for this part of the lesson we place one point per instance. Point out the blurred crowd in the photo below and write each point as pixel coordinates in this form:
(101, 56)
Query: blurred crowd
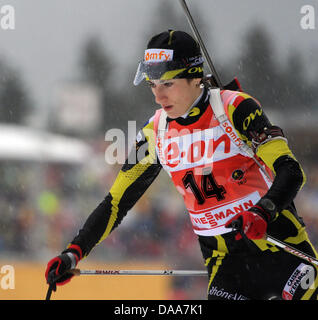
(43, 205)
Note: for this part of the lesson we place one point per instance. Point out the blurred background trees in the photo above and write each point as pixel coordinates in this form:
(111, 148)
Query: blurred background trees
(15, 103)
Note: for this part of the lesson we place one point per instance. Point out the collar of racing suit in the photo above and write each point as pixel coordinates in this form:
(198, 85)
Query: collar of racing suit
(195, 111)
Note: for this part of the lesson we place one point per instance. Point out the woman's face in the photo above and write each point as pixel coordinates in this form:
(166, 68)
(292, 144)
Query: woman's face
(175, 96)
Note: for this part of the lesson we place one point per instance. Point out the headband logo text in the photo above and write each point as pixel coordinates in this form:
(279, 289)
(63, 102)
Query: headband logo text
(158, 55)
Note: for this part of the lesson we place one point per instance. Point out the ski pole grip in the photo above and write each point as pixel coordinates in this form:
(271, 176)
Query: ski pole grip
(237, 225)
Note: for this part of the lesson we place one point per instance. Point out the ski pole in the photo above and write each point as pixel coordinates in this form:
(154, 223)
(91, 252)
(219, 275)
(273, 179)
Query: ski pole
(237, 226)
(283, 245)
(293, 250)
(201, 43)
(106, 272)
(78, 272)
(51, 288)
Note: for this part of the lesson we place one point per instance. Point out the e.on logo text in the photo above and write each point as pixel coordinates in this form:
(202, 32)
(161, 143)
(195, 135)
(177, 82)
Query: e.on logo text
(187, 151)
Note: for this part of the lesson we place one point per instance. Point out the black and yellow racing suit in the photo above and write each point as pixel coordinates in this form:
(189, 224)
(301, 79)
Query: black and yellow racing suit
(237, 269)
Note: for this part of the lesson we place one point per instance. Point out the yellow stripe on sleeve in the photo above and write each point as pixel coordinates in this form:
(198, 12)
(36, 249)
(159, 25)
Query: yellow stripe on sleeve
(270, 151)
(123, 181)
